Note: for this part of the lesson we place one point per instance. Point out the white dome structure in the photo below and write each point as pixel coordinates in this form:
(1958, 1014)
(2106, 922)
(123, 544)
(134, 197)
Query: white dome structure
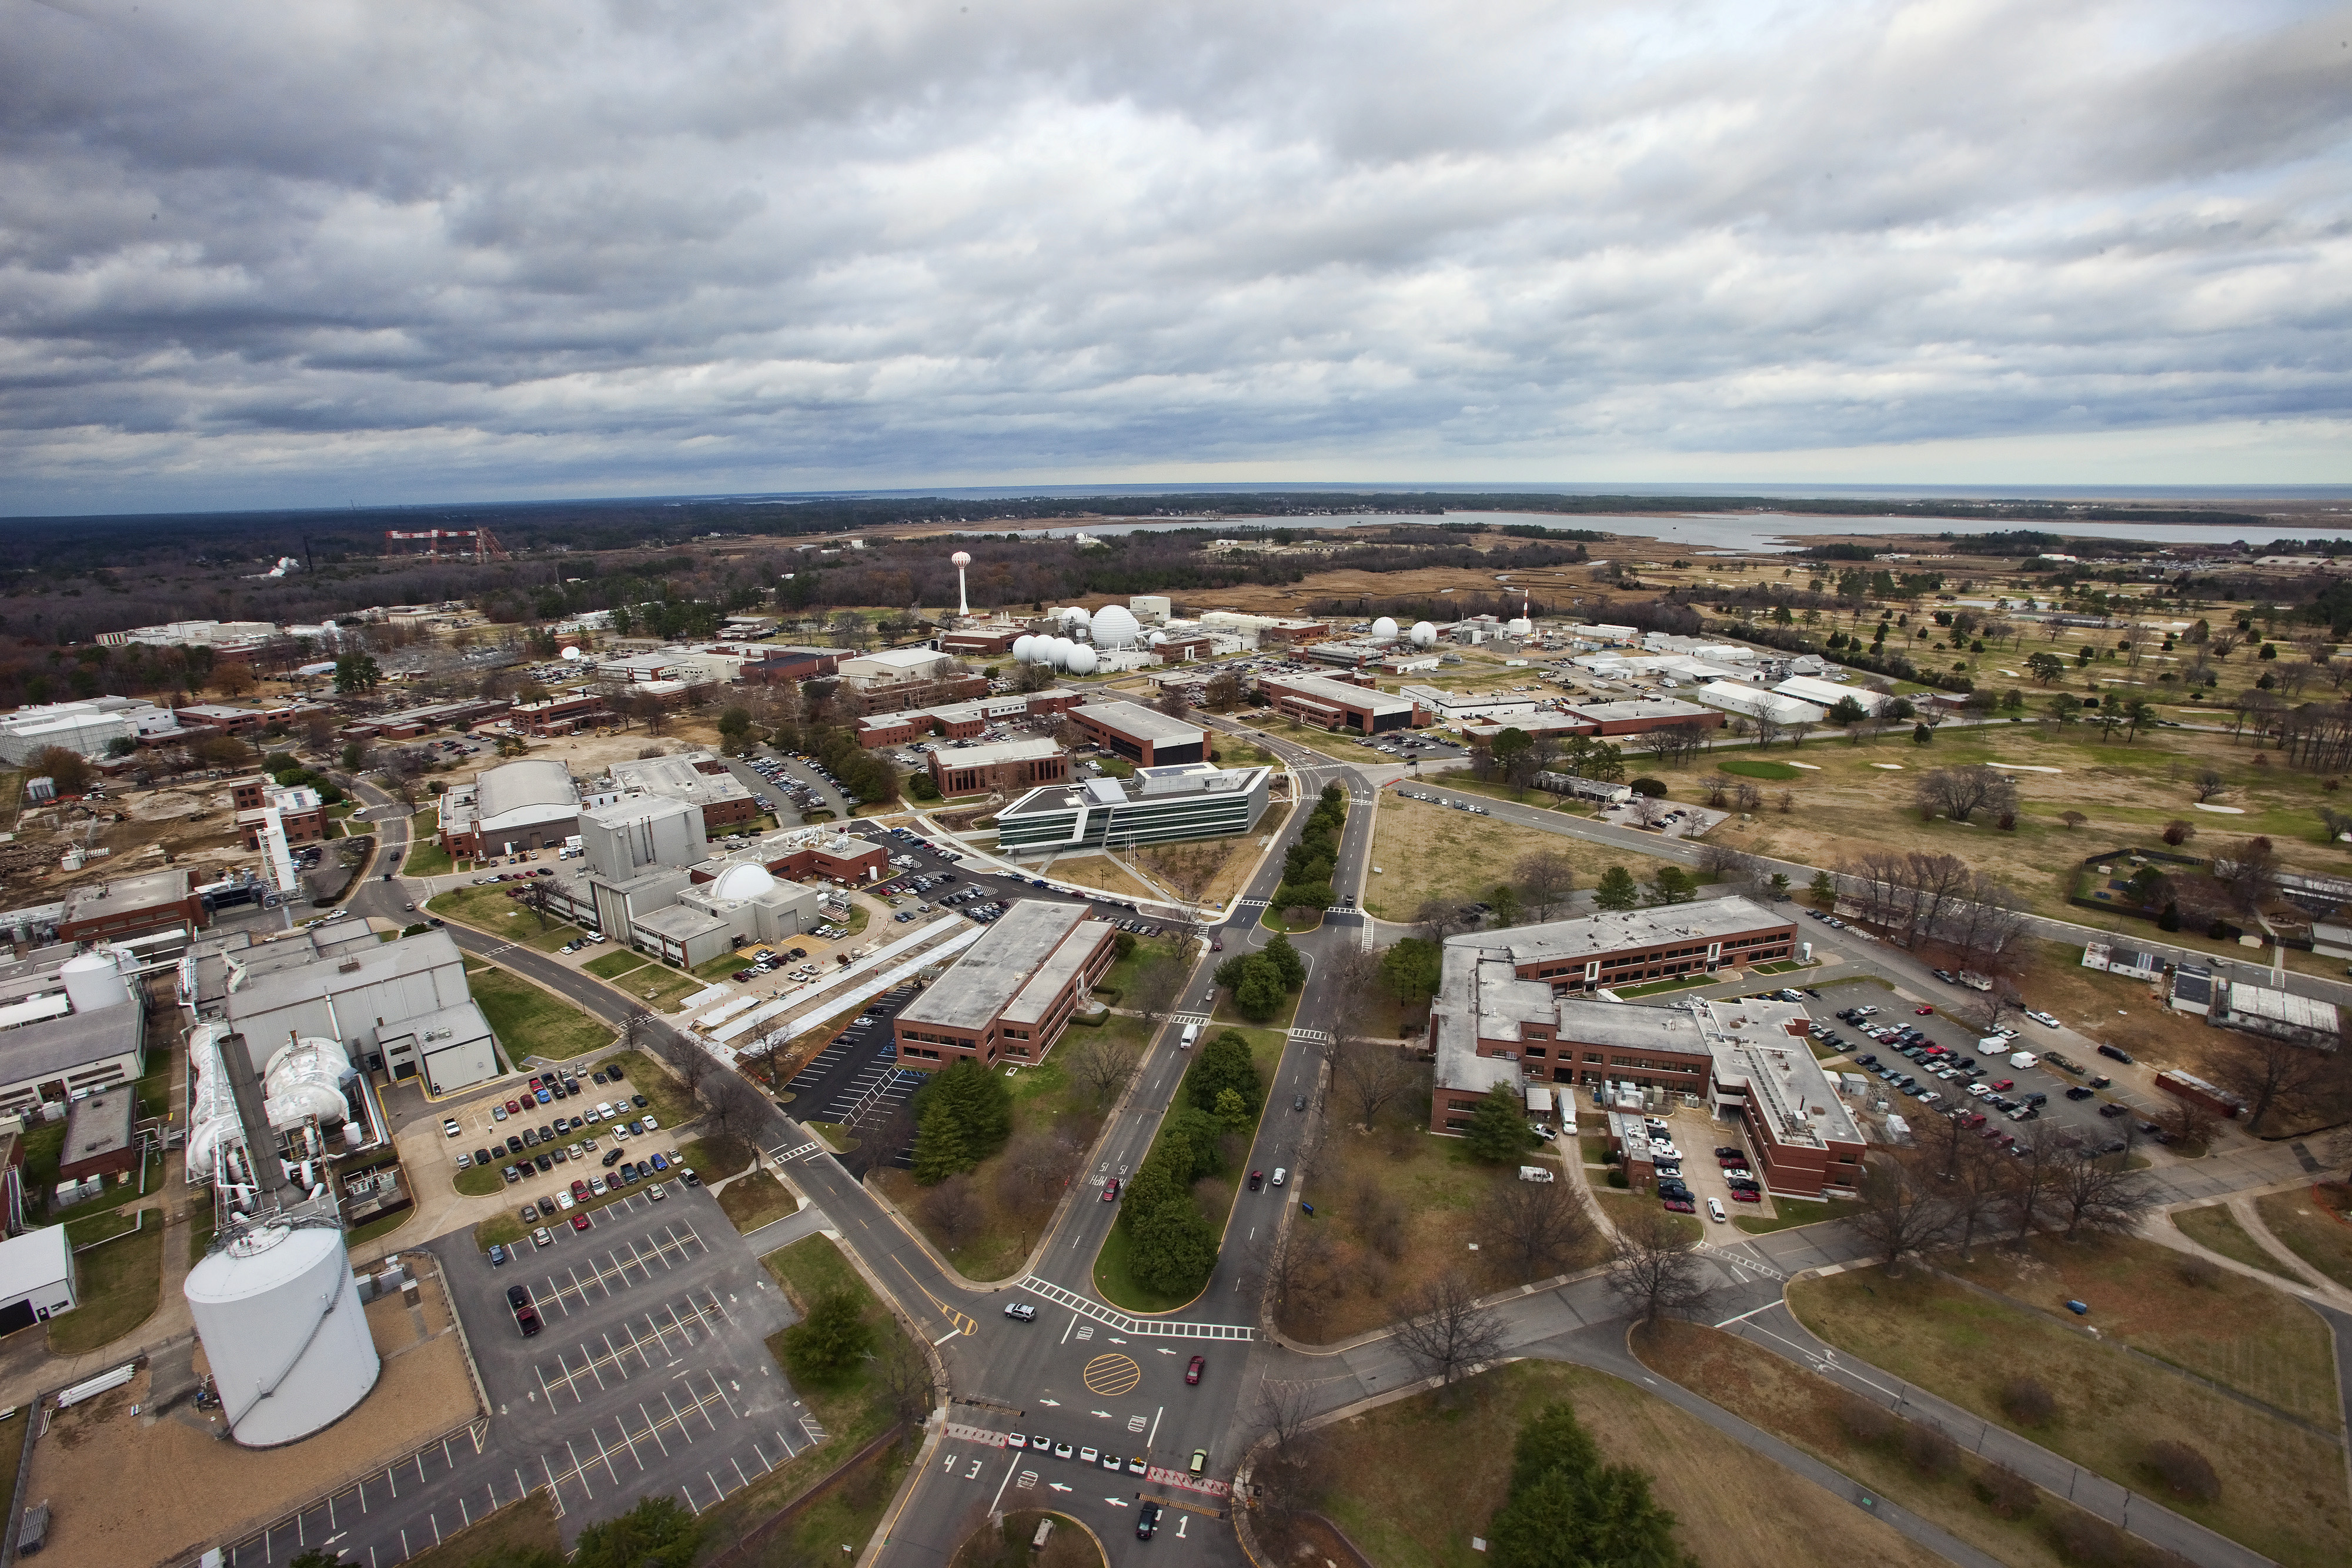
(1075, 617)
(1059, 656)
(1424, 635)
(281, 1323)
(1024, 647)
(1114, 626)
(1156, 639)
(1384, 629)
(1081, 660)
(741, 884)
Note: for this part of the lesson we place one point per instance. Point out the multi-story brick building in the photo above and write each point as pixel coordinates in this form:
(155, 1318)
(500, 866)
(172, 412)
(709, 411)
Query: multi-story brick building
(1335, 703)
(1638, 945)
(1145, 736)
(1012, 993)
(1007, 765)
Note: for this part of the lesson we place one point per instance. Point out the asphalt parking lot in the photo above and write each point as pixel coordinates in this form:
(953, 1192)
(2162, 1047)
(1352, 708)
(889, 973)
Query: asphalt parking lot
(856, 1078)
(651, 1374)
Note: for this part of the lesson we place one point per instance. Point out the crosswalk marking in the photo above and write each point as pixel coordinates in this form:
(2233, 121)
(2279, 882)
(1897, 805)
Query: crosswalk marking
(1125, 1324)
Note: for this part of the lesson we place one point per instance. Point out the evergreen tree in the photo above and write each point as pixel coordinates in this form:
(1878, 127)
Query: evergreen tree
(1671, 885)
(940, 1150)
(830, 1340)
(2170, 919)
(1568, 1510)
(1287, 961)
(1410, 970)
(1824, 887)
(1231, 1113)
(1200, 1130)
(1505, 900)
(1260, 994)
(1499, 1127)
(977, 1099)
(659, 1532)
(1172, 1248)
(1226, 1064)
(1615, 890)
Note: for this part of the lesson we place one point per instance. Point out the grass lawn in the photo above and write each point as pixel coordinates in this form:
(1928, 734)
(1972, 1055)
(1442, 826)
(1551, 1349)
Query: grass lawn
(1788, 1213)
(2282, 1487)
(1043, 1099)
(1415, 1480)
(1119, 979)
(93, 1227)
(486, 909)
(659, 987)
(1757, 768)
(12, 1453)
(1426, 852)
(1397, 1208)
(2216, 1228)
(1272, 921)
(2307, 1222)
(384, 1226)
(200, 1232)
(849, 1511)
(1215, 1194)
(525, 1525)
(718, 969)
(719, 1154)
(755, 1200)
(1677, 983)
(1802, 1408)
(612, 965)
(481, 1181)
(556, 935)
(118, 1285)
(667, 1098)
(531, 1022)
(425, 855)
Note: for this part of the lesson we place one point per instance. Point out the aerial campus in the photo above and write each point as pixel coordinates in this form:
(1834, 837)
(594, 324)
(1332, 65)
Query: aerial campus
(742, 1064)
(923, 785)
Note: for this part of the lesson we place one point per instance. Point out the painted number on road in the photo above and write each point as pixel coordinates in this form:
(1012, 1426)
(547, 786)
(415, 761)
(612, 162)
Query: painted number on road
(974, 1474)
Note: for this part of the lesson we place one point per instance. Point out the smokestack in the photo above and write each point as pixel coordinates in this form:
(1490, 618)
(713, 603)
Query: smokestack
(245, 1086)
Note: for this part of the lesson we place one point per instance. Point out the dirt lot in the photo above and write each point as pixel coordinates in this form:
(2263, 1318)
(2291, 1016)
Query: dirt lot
(1412, 1482)
(1424, 850)
(194, 1488)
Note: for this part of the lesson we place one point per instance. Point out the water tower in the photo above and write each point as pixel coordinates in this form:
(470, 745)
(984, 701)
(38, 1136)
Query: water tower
(961, 559)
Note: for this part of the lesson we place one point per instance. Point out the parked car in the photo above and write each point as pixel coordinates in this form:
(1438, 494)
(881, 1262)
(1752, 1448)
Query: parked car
(2115, 1052)
(1020, 1311)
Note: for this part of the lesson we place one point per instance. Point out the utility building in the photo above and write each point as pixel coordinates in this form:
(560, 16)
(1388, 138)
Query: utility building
(1012, 993)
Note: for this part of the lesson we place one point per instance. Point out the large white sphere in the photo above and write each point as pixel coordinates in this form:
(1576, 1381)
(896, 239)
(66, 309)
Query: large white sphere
(1024, 647)
(1423, 634)
(1082, 661)
(1076, 616)
(1057, 652)
(1116, 627)
(1158, 638)
(959, 558)
(1384, 629)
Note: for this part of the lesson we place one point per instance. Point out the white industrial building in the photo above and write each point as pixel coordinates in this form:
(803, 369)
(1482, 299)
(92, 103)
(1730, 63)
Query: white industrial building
(69, 1023)
(1455, 709)
(1755, 702)
(525, 805)
(37, 1278)
(893, 666)
(86, 727)
(1829, 693)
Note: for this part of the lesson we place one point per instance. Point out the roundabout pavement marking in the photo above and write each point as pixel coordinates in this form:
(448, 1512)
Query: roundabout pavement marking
(1112, 1375)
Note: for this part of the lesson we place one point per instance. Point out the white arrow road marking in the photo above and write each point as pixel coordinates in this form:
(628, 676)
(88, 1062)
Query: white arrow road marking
(1116, 1501)
(1056, 1403)
(1104, 1413)
(1057, 1486)
(1165, 1351)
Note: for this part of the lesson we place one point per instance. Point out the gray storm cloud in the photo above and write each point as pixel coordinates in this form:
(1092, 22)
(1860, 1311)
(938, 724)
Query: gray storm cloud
(271, 254)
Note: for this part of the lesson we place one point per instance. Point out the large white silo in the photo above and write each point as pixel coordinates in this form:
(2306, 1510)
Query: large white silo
(280, 1321)
(92, 982)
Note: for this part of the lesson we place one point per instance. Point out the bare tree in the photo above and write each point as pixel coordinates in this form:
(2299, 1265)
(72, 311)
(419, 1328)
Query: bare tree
(1352, 976)
(1545, 880)
(1976, 1186)
(1677, 744)
(687, 1059)
(1898, 1214)
(639, 1030)
(1039, 1165)
(1991, 1009)
(1103, 1065)
(735, 1107)
(2270, 1075)
(1441, 916)
(1444, 1333)
(1961, 793)
(1535, 1226)
(2098, 1194)
(905, 1376)
(2033, 1175)
(2210, 784)
(2250, 872)
(952, 1210)
(1282, 1412)
(1371, 1075)
(1152, 987)
(1656, 1271)
(1295, 1263)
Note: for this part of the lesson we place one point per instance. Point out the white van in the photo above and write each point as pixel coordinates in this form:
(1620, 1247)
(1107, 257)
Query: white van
(1192, 1037)
(1714, 1210)
(2022, 1059)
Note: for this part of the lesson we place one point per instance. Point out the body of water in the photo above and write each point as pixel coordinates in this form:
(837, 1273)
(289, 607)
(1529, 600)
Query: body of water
(1744, 531)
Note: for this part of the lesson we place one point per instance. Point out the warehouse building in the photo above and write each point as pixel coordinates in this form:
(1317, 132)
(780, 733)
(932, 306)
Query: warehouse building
(516, 806)
(1145, 736)
(1158, 806)
(695, 778)
(1331, 703)
(1829, 693)
(1639, 716)
(1754, 701)
(1004, 765)
(37, 1278)
(69, 1023)
(1013, 991)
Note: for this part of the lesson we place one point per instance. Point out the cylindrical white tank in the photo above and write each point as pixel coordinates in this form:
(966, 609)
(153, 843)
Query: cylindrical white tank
(1423, 634)
(93, 982)
(1082, 661)
(1384, 629)
(1115, 627)
(282, 1326)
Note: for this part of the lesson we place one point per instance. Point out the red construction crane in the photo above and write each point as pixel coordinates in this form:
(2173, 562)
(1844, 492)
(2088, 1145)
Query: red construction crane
(480, 544)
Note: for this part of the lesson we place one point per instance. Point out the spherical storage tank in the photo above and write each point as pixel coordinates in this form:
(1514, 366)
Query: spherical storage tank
(1023, 649)
(1116, 627)
(1081, 660)
(1384, 629)
(282, 1326)
(1423, 634)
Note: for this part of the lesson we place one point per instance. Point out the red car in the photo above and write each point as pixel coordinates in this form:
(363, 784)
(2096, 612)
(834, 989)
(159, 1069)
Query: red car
(580, 1192)
(1973, 1122)
(514, 1107)
(2001, 1083)
(1741, 1195)
(1110, 1190)
(534, 1085)
(1258, 1180)
(579, 1222)
(1924, 1012)
(1680, 1205)
(1192, 1372)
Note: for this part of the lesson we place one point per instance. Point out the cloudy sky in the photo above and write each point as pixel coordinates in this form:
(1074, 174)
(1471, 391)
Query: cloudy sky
(296, 254)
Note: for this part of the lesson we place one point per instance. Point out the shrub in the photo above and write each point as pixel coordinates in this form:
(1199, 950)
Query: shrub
(1865, 1422)
(1930, 1448)
(2089, 1540)
(1652, 787)
(2006, 1492)
(2187, 1472)
(2202, 1273)
(2027, 1403)
(1617, 1178)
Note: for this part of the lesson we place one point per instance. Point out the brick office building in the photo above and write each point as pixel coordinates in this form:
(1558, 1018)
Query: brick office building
(1333, 703)
(1012, 993)
(1145, 736)
(1008, 765)
(1625, 949)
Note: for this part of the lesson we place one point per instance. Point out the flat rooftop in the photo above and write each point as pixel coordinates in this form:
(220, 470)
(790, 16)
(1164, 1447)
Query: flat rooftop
(1175, 781)
(1592, 935)
(994, 752)
(1323, 688)
(1637, 708)
(1139, 721)
(994, 969)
